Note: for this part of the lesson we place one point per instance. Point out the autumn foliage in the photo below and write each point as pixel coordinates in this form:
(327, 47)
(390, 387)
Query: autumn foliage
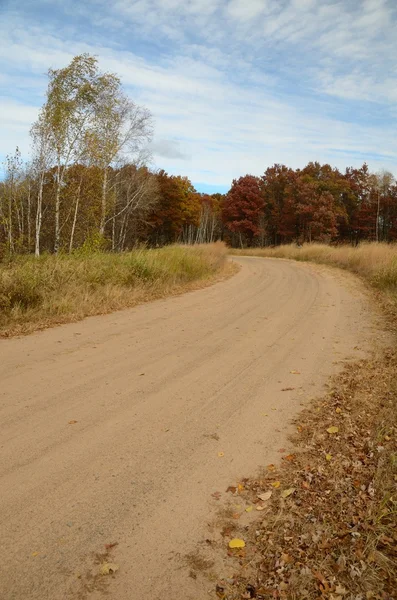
(317, 203)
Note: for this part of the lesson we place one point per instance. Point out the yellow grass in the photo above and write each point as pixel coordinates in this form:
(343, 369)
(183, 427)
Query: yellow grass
(377, 263)
(37, 293)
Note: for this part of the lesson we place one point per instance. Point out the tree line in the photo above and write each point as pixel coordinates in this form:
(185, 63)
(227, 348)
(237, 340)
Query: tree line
(88, 184)
(316, 203)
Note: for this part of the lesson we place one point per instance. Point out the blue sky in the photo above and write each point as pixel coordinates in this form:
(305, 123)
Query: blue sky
(234, 85)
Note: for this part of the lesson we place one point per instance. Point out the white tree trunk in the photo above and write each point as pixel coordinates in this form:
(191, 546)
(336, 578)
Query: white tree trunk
(39, 215)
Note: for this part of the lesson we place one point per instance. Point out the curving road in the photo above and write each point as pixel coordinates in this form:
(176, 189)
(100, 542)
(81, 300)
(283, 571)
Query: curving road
(113, 429)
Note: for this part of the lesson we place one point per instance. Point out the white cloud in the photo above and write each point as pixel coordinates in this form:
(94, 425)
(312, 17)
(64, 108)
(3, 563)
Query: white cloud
(233, 85)
(241, 9)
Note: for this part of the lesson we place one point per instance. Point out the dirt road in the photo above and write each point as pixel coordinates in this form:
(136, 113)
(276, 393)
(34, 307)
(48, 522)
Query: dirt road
(120, 428)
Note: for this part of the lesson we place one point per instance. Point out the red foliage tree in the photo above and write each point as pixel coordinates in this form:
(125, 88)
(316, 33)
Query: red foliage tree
(243, 208)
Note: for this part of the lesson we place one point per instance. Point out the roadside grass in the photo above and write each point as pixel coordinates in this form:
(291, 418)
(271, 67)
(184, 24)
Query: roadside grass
(329, 529)
(376, 263)
(38, 293)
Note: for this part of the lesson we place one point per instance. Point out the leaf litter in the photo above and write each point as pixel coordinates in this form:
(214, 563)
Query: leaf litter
(329, 530)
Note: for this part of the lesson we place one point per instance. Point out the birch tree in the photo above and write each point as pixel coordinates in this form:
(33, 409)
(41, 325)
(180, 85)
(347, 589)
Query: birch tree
(121, 129)
(66, 117)
(13, 166)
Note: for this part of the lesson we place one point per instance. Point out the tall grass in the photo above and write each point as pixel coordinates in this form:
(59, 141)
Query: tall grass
(377, 263)
(36, 293)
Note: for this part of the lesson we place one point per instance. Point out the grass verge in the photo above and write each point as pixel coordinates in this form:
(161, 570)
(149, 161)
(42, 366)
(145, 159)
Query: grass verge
(376, 263)
(329, 526)
(38, 293)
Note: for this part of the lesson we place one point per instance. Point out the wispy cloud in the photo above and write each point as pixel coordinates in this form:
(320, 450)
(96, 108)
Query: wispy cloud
(234, 85)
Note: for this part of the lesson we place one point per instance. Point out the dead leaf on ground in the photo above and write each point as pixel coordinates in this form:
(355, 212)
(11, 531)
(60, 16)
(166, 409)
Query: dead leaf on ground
(236, 543)
(109, 568)
(276, 484)
(286, 493)
(266, 496)
(333, 429)
(72, 422)
(220, 454)
(293, 372)
(341, 591)
(287, 389)
(248, 509)
(216, 495)
(290, 457)
(271, 467)
(111, 545)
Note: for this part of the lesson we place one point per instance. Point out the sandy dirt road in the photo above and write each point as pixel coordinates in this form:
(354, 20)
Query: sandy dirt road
(157, 392)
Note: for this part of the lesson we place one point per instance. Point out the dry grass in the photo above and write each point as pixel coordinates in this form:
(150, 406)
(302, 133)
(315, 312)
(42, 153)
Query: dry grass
(335, 536)
(377, 263)
(38, 293)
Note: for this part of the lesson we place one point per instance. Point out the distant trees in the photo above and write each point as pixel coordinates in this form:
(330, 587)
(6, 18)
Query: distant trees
(317, 203)
(88, 183)
(243, 209)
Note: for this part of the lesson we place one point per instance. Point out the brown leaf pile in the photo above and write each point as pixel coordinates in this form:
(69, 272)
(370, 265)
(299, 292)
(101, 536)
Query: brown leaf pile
(329, 529)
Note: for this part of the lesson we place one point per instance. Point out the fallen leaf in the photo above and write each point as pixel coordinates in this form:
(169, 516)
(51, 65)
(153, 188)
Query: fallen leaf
(328, 457)
(216, 495)
(260, 506)
(240, 487)
(289, 457)
(295, 372)
(220, 454)
(333, 429)
(287, 389)
(266, 496)
(111, 545)
(286, 558)
(338, 410)
(248, 509)
(265, 415)
(276, 484)
(286, 493)
(72, 422)
(282, 450)
(35, 553)
(108, 568)
(231, 489)
(236, 543)
(341, 591)
(271, 467)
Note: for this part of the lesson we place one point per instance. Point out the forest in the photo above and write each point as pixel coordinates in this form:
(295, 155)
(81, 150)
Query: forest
(89, 184)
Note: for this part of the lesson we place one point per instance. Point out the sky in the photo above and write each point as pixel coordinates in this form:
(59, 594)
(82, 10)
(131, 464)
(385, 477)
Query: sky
(234, 86)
